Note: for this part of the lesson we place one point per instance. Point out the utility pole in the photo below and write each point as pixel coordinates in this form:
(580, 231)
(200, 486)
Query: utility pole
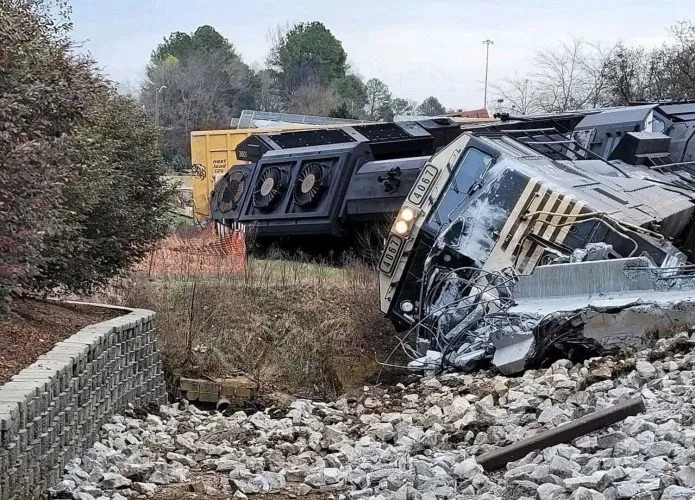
(156, 104)
(487, 44)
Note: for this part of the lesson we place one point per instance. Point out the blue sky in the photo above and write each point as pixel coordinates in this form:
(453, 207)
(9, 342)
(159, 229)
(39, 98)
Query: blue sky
(418, 48)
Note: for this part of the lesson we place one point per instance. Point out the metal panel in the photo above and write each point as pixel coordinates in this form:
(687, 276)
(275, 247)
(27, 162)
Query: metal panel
(249, 117)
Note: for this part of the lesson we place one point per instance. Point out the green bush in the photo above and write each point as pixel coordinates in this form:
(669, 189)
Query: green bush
(82, 194)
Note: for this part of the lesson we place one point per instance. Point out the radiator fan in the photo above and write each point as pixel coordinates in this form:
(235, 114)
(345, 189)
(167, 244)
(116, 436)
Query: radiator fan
(310, 185)
(270, 188)
(232, 192)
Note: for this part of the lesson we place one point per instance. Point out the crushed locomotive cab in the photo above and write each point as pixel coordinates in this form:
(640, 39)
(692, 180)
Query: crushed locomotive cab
(500, 203)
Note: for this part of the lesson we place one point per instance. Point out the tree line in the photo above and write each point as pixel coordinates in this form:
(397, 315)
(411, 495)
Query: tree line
(198, 81)
(577, 74)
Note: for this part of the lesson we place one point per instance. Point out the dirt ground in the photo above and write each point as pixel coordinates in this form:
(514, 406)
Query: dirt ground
(33, 328)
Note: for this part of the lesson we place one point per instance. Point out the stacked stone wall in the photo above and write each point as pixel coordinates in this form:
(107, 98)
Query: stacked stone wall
(51, 411)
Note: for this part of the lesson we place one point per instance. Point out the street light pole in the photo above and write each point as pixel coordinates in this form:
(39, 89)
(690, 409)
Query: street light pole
(156, 104)
(487, 44)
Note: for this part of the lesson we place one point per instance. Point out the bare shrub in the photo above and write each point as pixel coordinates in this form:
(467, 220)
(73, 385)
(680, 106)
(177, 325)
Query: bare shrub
(312, 98)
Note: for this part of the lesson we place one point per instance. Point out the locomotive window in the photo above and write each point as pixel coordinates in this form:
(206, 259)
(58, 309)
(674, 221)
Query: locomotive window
(467, 173)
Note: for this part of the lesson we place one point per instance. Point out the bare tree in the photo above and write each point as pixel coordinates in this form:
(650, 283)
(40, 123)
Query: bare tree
(680, 60)
(666, 72)
(629, 75)
(267, 94)
(312, 98)
(571, 76)
(574, 75)
(519, 95)
(378, 100)
(274, 37)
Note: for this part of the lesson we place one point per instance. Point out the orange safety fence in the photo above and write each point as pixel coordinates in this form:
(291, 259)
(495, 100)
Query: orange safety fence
(206, 253)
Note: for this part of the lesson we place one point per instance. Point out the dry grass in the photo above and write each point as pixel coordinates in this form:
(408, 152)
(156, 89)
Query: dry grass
(297, 327)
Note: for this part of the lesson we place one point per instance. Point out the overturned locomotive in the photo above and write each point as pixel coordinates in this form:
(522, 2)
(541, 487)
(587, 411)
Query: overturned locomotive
(319, 186)
(567, 193)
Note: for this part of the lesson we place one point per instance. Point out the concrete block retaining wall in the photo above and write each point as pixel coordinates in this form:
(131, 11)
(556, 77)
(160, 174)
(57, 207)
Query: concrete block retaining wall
(52, 410)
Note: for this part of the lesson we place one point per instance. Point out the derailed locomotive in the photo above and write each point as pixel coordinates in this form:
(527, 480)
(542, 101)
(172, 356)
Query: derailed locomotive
(501, 201)
(315, 188)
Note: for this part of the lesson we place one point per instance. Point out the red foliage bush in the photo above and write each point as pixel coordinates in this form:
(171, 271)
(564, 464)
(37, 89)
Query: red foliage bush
(81, 189)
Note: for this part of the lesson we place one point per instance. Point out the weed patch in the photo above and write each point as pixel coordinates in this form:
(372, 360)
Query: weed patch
(304, 328)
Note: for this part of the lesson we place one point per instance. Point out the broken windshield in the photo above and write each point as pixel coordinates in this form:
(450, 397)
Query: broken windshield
(467, 174)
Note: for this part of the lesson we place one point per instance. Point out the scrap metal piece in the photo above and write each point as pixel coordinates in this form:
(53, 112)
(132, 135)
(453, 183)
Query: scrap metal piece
(511, 350)
(561, 336)
(584, 309)
(592, 251)
(563, 434)
(431, 361)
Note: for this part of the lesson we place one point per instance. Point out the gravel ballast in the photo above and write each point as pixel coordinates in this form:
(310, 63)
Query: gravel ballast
(419, 441)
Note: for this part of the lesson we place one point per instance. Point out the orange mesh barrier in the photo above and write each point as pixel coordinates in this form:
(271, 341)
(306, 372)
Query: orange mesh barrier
(206, 253)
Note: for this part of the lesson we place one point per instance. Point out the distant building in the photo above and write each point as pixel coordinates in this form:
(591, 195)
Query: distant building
(464, 116)
(473, 113)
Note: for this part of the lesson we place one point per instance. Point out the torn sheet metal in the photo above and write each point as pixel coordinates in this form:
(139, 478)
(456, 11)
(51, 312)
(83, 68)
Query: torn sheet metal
(580, 310)
(618, 303)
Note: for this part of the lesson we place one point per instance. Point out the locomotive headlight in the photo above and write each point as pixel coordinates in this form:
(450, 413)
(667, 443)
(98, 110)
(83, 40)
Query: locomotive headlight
(404, 221)
(407, 214)
(401, 227)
